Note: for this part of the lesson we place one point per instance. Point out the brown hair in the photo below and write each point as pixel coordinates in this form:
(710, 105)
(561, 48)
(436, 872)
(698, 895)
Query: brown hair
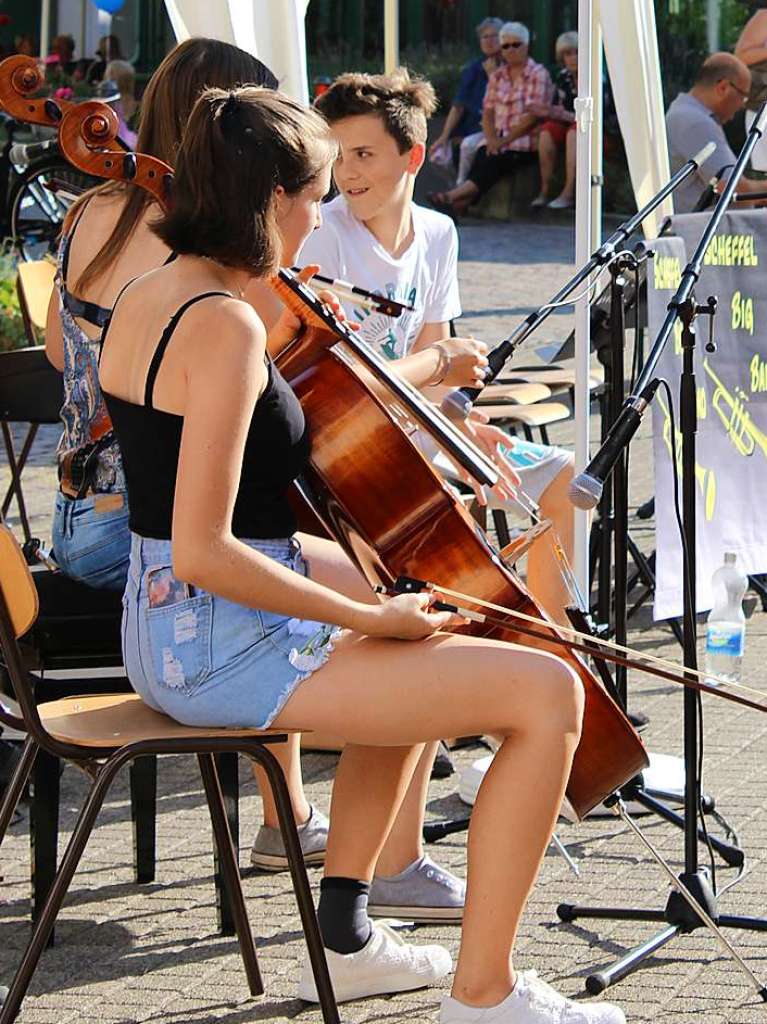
(167, 103)
(237, 148)
(404, 104)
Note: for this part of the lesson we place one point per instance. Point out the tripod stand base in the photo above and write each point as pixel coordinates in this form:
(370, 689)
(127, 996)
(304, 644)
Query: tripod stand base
(680, 917)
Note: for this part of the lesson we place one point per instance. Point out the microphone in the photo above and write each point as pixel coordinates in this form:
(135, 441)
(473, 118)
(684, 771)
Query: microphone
(457, 404)
(586, 488)
(708, 195)
(23, 153)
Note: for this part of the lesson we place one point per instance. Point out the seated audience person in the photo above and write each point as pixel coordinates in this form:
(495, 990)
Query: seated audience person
(25, 44)
(108, 49)
(463, 124)
(212, 437)
(120, 74)
(511, 135)
(720, 91)
(558, 130)
(63, 48)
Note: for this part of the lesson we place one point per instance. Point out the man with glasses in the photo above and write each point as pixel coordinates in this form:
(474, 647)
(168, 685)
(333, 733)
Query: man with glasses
(463, 124)
(696, 117)
(511, 136)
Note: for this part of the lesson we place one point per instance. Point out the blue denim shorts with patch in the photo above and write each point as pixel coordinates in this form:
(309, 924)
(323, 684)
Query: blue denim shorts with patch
(206, 661)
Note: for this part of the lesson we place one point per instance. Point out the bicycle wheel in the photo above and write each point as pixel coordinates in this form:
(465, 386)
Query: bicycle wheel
(37, 212)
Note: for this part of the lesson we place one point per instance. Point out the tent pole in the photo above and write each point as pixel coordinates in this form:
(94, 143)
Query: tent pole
(597, 135)
(45, 28)
(391, 36)
(583, 248)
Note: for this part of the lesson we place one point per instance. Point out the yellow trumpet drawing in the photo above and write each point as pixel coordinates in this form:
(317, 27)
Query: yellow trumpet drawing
(736, 419)
(706, 478)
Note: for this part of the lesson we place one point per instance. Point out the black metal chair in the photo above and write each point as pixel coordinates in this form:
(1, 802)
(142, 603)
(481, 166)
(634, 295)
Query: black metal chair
(101, 734)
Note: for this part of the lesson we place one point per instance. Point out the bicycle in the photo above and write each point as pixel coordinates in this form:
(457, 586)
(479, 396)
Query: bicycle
(31, 176)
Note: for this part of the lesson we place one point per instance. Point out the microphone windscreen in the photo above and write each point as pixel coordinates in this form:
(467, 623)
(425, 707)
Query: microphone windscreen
(456, 405)
(585, 491)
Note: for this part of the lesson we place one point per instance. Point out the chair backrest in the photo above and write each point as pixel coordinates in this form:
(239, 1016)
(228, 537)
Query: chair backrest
(34, 285)
(18, 611)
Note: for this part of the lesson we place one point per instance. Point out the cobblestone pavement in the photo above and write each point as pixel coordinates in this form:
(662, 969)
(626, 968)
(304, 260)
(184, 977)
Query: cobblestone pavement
(128, 953)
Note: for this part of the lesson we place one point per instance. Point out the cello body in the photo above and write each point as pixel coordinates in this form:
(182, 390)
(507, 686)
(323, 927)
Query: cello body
(381, 499)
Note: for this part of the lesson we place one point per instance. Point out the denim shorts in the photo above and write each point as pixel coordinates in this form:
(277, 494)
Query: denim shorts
(91, 539)
(207, 661)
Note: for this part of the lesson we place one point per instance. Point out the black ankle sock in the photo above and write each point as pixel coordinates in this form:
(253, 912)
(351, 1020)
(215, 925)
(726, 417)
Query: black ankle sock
(343, 914)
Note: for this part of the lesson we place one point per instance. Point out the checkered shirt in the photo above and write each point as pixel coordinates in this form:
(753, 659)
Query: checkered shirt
(508, 99)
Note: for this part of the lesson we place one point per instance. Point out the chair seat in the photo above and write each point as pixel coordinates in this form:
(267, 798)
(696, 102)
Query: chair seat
(539, 415)
(112, 720)
(517, 394)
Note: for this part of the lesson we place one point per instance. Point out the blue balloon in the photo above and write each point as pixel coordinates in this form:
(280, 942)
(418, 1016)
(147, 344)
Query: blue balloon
(110, 6)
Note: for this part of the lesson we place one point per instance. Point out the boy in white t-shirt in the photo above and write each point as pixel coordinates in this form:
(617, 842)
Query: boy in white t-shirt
(375, 236)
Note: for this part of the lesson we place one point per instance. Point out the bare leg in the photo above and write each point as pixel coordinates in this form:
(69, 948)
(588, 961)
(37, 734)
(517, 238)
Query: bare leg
(289, 756)
(547, 157)
(450, 685)
(544, 579)
(569, 190)
(404, 844)
(463, 194)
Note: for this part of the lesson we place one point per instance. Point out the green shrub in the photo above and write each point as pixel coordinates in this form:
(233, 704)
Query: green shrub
(12, 333)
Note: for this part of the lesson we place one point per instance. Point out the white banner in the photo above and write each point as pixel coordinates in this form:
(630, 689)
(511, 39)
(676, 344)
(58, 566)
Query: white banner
(731, 382)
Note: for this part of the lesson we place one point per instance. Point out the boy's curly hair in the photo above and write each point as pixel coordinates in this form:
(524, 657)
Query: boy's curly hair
(404, 104)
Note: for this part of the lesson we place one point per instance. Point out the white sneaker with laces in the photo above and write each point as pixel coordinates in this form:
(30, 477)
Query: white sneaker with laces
(533, 1001)
(386, 963)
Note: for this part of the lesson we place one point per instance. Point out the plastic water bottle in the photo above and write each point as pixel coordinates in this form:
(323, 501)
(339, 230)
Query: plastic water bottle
(726, 628)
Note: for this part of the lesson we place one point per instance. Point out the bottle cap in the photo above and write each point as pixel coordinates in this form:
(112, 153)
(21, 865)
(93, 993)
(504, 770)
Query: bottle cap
(730, 558)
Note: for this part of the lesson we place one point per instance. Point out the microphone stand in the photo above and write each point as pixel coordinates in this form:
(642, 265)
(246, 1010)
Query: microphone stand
(461, 401)
(679, 916)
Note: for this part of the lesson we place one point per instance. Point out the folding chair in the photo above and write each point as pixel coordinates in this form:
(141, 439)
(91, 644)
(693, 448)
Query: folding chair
(103, 733)
(31, 391)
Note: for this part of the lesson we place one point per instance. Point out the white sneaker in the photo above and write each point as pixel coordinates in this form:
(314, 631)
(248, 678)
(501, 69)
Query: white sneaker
(562, 203)
(539, 201)
(386, 963)
(533, 1001)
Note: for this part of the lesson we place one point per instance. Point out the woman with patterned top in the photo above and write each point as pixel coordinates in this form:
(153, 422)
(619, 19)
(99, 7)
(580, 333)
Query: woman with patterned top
(511, 133)
(106, 243)
(558, 129)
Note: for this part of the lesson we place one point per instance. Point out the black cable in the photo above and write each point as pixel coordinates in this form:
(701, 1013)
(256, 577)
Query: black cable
(686, 569)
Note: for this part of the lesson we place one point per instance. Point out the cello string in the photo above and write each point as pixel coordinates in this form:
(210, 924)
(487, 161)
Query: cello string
(598, 642)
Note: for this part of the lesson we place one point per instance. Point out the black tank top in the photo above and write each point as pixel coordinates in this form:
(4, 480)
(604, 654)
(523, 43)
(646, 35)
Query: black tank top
(276, 451)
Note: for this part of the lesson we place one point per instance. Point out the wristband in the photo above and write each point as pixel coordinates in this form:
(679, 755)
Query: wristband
(442, 367)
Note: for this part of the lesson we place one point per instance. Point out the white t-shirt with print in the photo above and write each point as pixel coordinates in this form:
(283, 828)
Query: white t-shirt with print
(425, 276)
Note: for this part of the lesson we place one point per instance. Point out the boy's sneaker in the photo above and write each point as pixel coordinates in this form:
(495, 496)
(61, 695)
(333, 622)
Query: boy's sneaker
(268, 851)
(533, 1001)
(386, 963)
(423, 892)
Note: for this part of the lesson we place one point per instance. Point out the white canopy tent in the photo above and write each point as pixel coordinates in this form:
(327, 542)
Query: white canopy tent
(272, 30)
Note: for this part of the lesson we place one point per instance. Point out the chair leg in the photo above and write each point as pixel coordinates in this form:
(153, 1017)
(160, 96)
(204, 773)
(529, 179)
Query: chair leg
(143, 799)
(44, 829)
(311, 927)
(43, 926)
(16, 785)
(227, 861)
(227, 769)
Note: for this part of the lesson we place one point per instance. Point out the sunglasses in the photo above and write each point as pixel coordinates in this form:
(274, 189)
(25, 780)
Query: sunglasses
(512, 46)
